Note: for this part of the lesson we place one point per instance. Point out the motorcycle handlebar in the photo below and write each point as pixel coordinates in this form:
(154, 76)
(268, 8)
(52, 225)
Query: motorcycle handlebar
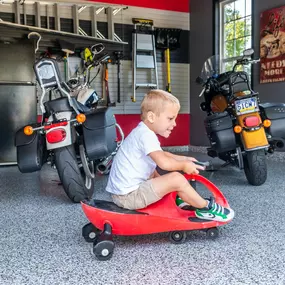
(201, 163)
(99, 61)
(254, 60)
(222, 82)
(97, 48)
(246, 61)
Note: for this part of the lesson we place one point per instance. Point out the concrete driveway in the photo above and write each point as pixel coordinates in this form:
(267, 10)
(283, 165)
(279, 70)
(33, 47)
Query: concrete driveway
(41, 242)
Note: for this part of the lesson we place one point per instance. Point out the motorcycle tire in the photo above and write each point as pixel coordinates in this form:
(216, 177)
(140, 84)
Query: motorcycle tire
(76, 184)
(255, 167)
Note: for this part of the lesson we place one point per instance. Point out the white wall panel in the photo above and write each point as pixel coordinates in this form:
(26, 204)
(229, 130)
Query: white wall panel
(161, 18)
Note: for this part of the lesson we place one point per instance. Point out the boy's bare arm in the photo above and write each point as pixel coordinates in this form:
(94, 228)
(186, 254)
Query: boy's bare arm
(180, 157)
(169, 163)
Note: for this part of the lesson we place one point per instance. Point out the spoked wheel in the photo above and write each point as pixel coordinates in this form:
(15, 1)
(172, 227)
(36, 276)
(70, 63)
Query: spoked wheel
(177, 237)
(90, 232)
(212, 233)
(103, 250)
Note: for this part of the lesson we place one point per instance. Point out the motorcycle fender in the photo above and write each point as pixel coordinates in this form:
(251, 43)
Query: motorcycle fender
(68, 139)
(255, 138)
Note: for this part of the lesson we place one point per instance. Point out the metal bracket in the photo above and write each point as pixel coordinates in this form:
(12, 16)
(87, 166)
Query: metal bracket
(77, 8)
(110, 11)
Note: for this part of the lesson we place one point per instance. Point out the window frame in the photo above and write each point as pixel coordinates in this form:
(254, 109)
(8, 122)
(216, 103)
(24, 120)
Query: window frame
(221, 32)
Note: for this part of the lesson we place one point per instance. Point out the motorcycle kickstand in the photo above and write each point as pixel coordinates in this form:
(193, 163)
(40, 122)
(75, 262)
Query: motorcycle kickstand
(225, 164)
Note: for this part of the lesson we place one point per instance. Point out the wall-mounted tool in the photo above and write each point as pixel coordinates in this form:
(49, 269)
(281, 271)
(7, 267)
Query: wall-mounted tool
(87, 56)
(118, 55)
(68, 48)
(167, 39)
(106, 85)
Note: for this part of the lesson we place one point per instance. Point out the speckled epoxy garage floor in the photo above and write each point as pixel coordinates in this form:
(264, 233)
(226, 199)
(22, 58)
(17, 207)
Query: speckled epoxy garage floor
(41, 242)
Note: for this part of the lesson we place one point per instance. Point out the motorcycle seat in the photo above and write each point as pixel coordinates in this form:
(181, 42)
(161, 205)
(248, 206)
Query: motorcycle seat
(80, 107)
(239, 82)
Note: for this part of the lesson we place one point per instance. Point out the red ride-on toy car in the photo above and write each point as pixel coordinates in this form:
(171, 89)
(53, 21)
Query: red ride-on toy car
(108, 219)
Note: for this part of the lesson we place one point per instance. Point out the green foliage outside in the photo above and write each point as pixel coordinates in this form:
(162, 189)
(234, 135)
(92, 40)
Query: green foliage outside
(237, 34)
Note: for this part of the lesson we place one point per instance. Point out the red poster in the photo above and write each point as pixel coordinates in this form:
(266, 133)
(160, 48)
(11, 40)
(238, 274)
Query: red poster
(272, 45)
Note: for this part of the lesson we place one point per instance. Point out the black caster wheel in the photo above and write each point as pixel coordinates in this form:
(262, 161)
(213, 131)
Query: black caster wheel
(212, 233)
(90, 232)
(103, 250)
(177, 237)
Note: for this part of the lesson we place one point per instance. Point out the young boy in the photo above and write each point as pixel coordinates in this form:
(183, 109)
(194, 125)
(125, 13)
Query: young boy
(134, 182)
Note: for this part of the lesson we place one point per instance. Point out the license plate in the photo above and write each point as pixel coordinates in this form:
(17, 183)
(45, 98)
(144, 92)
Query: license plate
(247, 105)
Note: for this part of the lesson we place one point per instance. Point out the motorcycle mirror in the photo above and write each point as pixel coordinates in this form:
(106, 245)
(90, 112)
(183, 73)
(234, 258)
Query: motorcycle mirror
(203, 106)
(97, 48)
(199, 80)
(248, 52)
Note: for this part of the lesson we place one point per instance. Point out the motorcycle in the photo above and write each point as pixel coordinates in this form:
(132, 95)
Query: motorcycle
(71, 136)
(81, 89)
(240, 129)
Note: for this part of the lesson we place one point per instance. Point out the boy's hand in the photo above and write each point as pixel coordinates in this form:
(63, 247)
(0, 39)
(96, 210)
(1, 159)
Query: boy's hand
(191, 168)
(190, 158)
(198, 166)
(171, 162)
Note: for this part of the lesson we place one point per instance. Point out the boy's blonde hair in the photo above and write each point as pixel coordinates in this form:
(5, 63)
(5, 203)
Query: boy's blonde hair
(155, 101)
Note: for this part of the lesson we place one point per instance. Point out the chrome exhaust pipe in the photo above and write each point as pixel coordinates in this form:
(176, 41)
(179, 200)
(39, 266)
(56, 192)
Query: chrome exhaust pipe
(105, 165)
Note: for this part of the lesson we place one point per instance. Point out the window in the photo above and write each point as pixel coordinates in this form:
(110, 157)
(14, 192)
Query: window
(236, 31)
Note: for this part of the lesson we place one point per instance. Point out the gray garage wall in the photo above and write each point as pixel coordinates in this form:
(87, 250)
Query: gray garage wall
(202, 39)
(123, 28)
(201, 47)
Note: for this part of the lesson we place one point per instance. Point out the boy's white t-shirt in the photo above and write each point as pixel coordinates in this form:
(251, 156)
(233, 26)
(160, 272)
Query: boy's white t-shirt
(132, 165)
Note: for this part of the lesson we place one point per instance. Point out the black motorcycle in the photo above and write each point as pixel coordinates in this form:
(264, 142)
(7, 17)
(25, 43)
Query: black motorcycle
(70, 136)
(240, 129)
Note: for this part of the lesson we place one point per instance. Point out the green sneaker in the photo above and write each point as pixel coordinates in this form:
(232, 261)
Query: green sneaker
(215, 212)
(180, 203)
(183, 205)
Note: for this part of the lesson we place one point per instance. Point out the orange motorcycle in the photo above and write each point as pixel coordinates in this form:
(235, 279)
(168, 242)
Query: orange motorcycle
(239, 128)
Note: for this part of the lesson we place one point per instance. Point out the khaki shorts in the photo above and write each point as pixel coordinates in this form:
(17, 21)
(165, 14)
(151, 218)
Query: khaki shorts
(137, 199)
